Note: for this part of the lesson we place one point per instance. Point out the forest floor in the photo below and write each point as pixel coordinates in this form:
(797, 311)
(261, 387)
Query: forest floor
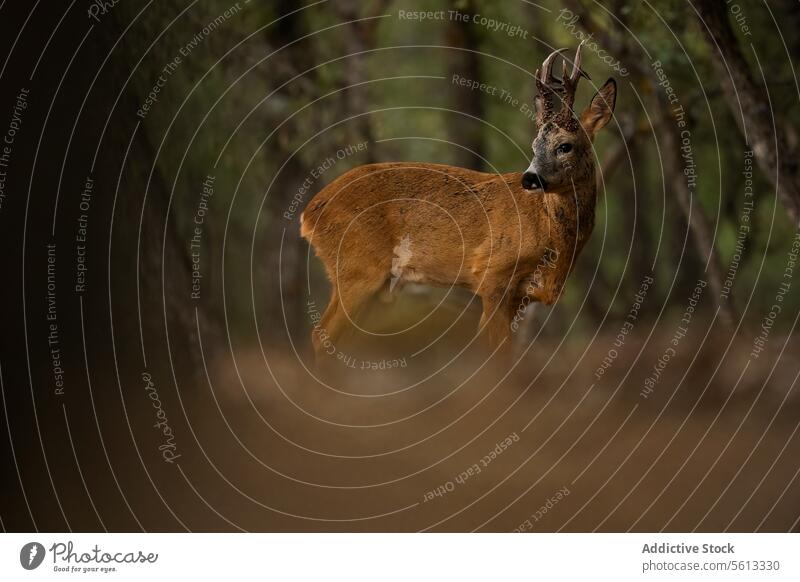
(448, 443)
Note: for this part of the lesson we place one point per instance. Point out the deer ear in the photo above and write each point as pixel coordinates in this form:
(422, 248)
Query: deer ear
(598, 113)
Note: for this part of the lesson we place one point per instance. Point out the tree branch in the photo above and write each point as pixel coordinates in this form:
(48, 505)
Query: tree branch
(751, 107)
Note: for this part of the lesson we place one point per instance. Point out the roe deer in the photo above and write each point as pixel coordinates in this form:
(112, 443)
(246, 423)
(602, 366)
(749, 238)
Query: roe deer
(510, 238)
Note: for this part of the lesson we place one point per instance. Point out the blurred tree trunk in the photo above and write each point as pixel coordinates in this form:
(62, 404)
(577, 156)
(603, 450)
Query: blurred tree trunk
(692, 209)
(695, 215)
(464, 61)
(750, 106)
(634, 197)
(285, 296)
(157, 253)
(788, 18)
(358, 38)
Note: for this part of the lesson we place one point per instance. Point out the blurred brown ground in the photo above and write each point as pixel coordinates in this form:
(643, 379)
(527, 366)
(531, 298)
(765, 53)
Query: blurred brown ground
(701, 452)
(266, 447)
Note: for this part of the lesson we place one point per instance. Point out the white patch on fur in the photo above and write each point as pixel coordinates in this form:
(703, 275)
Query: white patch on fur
(402, 256)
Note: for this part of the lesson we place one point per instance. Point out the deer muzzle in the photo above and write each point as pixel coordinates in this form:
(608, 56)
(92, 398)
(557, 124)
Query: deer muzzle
(533, 181)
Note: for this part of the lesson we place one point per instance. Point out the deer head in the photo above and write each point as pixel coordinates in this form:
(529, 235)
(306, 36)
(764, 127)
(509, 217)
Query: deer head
(562, 150)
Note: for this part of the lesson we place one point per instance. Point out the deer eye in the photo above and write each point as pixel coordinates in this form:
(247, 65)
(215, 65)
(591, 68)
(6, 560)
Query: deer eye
(564, 148)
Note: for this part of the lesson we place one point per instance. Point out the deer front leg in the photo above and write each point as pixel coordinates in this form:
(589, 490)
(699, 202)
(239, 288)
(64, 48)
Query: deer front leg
(495, 324)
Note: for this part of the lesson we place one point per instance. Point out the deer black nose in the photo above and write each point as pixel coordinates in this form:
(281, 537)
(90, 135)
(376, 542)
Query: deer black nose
(531, 181)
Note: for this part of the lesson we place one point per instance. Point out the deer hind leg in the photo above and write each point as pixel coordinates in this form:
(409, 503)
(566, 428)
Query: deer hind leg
(495, 324)
(348, 298)
(323, 335)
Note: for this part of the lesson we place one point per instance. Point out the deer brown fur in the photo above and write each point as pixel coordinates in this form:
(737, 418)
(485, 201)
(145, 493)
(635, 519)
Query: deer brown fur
(503, 237)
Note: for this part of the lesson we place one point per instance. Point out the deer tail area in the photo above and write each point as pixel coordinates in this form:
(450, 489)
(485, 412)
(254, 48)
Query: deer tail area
(309, 218)
(305, 231)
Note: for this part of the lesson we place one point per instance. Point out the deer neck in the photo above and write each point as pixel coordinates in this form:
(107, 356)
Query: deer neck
(572, 213)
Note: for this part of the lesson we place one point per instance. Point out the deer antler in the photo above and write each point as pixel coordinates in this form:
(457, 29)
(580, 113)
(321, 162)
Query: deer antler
(550, 88)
